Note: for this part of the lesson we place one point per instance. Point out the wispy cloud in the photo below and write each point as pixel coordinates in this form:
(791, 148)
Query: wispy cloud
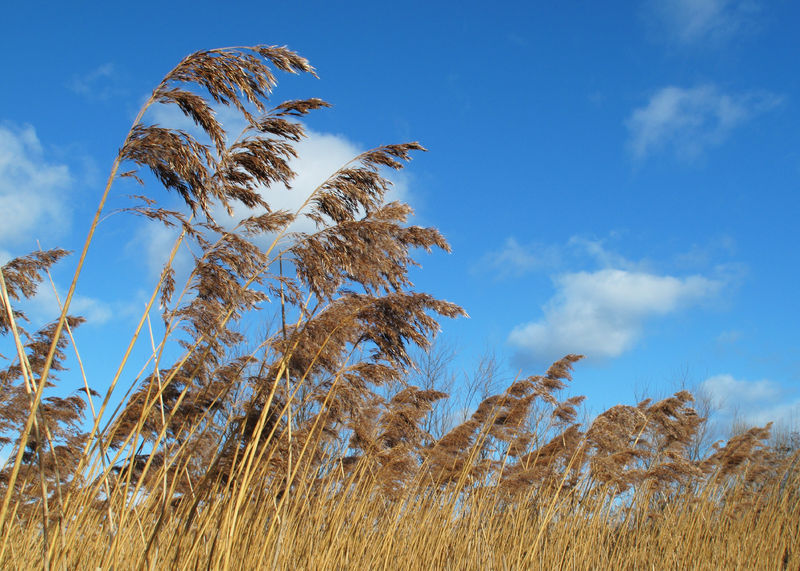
(701, 255)
(32, 189)
(152, 243)
(44, 307)
(514, 259)
(690, 22)
(753, 402)
(729, 337)
(688, 121)
(597, 250)
(95, 311)
(603, 313)
(96, 85)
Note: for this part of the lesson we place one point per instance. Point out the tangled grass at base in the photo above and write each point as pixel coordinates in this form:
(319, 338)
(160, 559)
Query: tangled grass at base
(310, 450)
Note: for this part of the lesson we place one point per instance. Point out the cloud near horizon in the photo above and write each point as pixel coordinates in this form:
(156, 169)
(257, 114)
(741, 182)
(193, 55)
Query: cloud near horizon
(602, 314)
(753, 402)
(689, 121)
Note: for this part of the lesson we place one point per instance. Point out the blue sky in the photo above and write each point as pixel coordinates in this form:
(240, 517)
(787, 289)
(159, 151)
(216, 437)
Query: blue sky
(618, 179)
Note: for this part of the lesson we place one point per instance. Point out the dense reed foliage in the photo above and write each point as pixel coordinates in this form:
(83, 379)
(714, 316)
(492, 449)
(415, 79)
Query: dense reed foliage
(310, 449)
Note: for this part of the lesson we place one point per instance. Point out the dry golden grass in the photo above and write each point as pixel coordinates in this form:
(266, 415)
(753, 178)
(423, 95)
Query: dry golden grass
(359, 527)
(304, 447)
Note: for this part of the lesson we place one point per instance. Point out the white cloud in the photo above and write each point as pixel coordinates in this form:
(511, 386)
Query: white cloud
(32, 190)
(753, 402)
(96, 84)
(726, 391)
(94, 310)
(693, 21)
(44, 306)
(602, 313)
(688, 121)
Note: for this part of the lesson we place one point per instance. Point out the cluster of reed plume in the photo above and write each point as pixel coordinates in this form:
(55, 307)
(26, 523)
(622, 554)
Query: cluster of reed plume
(310, 449)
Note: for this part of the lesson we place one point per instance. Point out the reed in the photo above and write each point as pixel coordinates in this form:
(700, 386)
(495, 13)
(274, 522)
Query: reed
(310, 449)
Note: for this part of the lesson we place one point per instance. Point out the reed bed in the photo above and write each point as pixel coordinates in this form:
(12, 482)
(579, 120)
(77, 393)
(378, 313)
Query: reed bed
(306, 446)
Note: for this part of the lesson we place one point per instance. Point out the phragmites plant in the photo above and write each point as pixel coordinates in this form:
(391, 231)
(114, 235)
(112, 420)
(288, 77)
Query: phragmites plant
(306, 446)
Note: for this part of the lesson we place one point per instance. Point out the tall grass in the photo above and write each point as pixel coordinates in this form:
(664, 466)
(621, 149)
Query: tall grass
(309, 449)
